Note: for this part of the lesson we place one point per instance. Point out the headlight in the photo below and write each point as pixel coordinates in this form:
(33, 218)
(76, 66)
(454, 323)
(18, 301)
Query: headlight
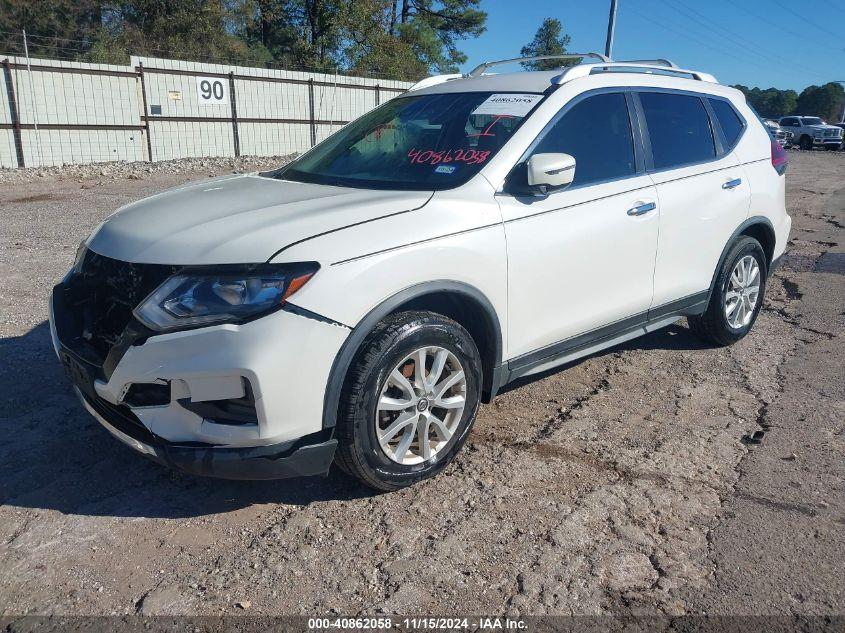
(196, 297)
(79, 258)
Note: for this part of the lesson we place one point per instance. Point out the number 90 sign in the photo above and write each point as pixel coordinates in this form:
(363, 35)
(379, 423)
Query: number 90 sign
(212, 90)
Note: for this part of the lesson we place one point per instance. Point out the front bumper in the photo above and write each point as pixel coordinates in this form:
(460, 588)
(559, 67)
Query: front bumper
(301, 458)
(285, 358)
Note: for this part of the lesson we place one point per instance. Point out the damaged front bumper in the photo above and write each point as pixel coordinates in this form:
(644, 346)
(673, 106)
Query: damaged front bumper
(234, 401)
(298, 458)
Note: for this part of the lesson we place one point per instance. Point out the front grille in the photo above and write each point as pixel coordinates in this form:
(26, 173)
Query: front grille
(93, 307)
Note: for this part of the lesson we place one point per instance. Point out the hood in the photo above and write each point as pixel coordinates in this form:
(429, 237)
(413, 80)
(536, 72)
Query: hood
(238, 219)
(824, 126)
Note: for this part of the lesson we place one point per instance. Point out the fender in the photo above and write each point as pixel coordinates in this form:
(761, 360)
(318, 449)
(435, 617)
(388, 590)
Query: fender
(352, 344)
(757, 219)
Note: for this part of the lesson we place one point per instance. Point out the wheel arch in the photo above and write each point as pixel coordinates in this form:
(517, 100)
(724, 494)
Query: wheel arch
(457, 300)
(761, 229)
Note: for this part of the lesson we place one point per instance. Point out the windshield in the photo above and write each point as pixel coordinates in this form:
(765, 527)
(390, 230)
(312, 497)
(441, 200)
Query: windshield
(416, 142)
(812, 120)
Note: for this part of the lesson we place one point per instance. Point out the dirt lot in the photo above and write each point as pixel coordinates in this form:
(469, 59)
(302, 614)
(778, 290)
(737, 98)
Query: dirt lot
(630, 483)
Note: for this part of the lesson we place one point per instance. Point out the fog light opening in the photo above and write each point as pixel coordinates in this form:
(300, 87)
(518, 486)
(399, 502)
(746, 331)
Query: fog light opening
(232, 411)
(147, 394)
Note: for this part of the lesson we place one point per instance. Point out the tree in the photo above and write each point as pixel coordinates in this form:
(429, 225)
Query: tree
(53, 28)
(266, 27)
(771, 102)
(379, 43)
(195, 29)
(410, 38)
(781, 102)
(402, 39)
(823, 101)
(547, 41)
(304, 34)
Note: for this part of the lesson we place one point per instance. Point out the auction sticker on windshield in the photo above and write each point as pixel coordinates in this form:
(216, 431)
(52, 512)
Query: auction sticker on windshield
(508, 104)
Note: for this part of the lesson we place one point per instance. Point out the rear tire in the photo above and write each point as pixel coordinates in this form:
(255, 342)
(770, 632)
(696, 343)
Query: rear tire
(384, 376)
(731, 312)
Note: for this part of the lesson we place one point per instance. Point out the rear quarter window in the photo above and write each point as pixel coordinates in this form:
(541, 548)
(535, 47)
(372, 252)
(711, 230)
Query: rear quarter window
(679, 129)
(730, 122)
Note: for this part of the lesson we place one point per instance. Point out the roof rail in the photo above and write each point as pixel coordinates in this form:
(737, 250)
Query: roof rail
(583, 70)
(660, 61)
(479, 70)
(434, 80)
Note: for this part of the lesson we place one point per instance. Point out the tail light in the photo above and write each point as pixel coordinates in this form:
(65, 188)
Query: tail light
(780, 159)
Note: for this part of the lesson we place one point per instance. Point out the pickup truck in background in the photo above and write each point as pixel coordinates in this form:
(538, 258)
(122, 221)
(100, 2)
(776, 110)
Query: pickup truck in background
(810, 131)
(841, 126)
(778, 134)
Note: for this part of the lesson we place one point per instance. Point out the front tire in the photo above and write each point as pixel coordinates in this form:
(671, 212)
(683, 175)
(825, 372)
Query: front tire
(409, 400)
(737, 295)
(806, 143)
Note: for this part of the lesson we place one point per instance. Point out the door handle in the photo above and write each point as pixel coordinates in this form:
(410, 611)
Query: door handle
(736, 182)
(643, 208)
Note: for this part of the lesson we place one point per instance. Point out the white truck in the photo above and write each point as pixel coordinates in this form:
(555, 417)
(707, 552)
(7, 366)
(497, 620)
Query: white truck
(810, 131)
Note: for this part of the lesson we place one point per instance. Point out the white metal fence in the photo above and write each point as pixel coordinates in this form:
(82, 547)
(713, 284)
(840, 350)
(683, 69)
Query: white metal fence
(56, 112)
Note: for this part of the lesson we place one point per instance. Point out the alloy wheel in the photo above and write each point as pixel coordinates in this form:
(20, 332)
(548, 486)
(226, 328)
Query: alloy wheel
(420, 405)
(743, 292)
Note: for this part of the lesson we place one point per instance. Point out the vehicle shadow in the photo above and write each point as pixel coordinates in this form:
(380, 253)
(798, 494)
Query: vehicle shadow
(55, 456)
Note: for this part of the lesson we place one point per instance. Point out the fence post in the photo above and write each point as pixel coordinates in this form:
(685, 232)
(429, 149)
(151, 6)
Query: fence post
(145, 116)
(311, 112)
(233, 101)
(378, 95)
(32, 97)
(13, 111)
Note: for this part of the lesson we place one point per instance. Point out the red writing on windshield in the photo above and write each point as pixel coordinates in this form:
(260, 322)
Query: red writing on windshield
(486, 131)
(377, 133)
(431, 157)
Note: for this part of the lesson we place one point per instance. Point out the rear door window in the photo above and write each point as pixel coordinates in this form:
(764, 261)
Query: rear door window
(730, 122)
(679, 129)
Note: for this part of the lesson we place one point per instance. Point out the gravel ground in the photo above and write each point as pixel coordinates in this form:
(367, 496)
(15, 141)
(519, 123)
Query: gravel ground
(139, 170)
(660, 477)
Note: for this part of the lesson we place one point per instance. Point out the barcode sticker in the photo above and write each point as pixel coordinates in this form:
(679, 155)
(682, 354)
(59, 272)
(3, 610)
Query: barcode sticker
(508, 104)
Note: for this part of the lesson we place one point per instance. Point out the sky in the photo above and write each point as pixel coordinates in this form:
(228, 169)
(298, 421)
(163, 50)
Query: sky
(764, 43)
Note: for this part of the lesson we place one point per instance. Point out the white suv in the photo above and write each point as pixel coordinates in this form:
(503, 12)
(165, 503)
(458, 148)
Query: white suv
(359, 303)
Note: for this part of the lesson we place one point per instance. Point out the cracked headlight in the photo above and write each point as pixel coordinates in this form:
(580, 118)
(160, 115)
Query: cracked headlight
(228, 294)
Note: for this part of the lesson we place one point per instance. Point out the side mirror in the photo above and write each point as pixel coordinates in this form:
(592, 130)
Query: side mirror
(551, 171)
